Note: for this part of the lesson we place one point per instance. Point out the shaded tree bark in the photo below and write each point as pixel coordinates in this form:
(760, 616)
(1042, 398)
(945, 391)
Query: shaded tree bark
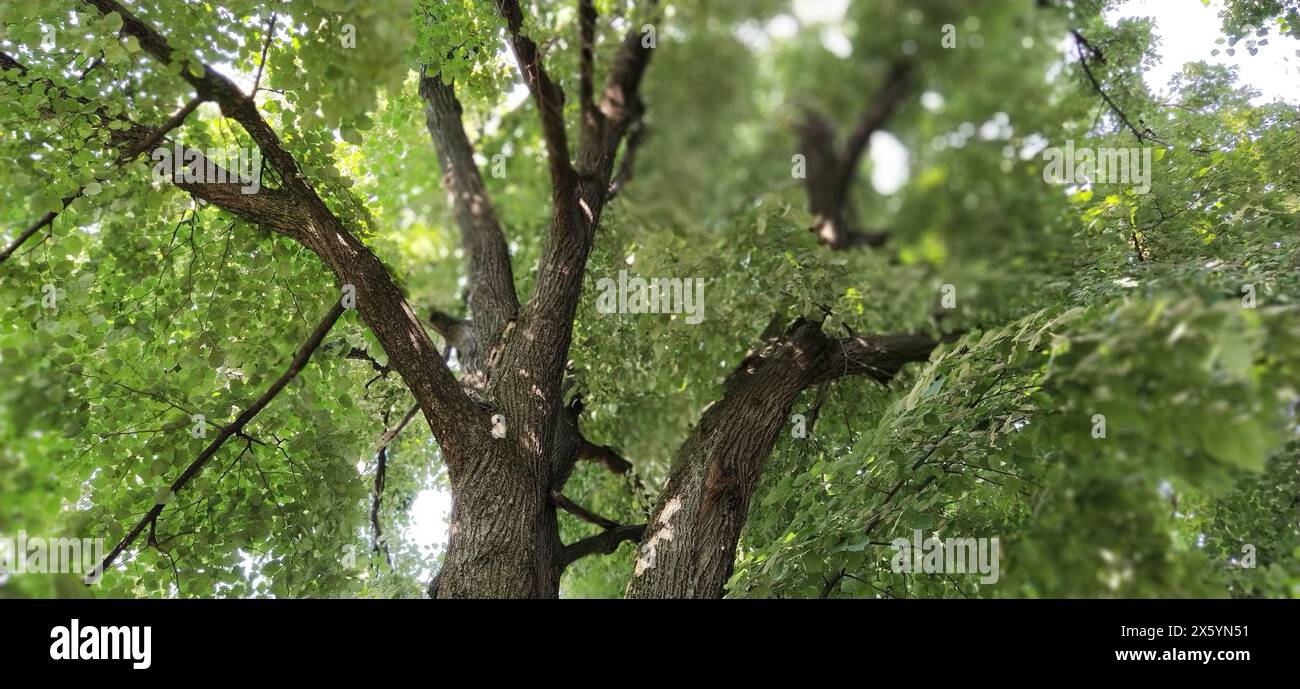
(689, 545)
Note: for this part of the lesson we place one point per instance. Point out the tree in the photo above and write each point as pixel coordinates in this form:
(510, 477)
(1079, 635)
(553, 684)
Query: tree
(1082, 369)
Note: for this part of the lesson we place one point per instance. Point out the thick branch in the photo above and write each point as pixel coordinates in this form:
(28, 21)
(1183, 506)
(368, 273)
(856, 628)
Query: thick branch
(571, 445)
(689, 548)
(548, 317)
(887, 101)
(603, 543)
(620, 106)
(879, 357)
(604, 454)
(490, 279)
(295, 366)
(457, 332)
(536, 351)
(587, 60)
(273, 209)
(546, 93)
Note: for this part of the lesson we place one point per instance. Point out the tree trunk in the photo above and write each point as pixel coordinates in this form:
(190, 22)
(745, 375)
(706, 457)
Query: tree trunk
(504, 538)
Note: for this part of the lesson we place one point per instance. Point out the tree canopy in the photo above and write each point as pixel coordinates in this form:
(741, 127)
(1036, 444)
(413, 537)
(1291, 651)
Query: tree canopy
(385, 278)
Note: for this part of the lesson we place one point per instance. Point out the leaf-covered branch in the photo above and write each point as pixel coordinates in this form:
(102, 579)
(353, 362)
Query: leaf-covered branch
(296, 365)
(144, 142)
(379, 300)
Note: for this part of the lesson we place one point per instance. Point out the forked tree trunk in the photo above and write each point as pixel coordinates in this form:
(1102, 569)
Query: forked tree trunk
(504, 538)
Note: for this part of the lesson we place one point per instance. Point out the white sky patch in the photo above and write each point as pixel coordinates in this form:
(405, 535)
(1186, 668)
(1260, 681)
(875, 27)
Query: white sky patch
(816, 11)
(835, 41)
(752, 35)
(429, 514)
(514, 98)
(1032, 146)
(889, 166)
(782, 27)
(1187, 31)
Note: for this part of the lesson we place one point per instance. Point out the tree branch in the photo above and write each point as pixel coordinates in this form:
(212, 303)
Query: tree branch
(604, 454)
(379, 300)
(572, 445)
(586, 515)
(689, 548)
(490, 278)
(1084, 45)
(546, 93)
(627, 164)
(146, 142)
(296, 365)
(830, 172)
(603, 543)
(392, 433)
(888, 99)
(548, 316)
(586, 67)
(879, 357)
(620, 106)
(381, 472)
(377, 543)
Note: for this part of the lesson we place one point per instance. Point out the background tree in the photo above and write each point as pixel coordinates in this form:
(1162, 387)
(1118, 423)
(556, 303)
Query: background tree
(209, 378)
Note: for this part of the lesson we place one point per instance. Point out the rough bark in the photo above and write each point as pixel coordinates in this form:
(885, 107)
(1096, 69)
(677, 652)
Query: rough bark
(504, 529)
(689, 544)
(491, 289)
(504, 534)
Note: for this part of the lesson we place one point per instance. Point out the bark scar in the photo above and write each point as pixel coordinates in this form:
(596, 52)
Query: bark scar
(646, 561)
